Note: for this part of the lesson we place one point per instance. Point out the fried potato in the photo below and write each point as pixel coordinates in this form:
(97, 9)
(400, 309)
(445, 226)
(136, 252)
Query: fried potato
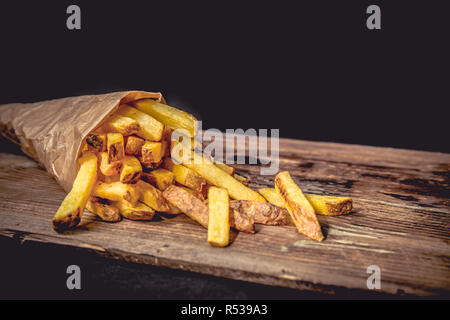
(150, 128)
(166, 141)
(226, 168)
(197, 209)
(301, 211)
(117, 191)
(124, 125)
(96, 142)
(110, 179)
(103, 209)
(151, 154)
(324, 205)
(170, 116)
(168, 164)
(152, 197)
(107, 168)
(160, 178)
(189, 178)
(131, 170)
(220, 178)
(115, 147)
(263, 212)
(134, 146)
(219, 221)
(71, 209)
(241, 179)
(134, 212)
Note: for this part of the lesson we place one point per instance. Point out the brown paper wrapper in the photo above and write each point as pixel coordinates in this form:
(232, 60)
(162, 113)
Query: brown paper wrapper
(52, 132)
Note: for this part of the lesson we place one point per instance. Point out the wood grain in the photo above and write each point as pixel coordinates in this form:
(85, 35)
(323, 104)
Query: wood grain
(401, 222)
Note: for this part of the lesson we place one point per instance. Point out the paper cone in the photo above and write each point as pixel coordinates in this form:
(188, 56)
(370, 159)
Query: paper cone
(51, 132)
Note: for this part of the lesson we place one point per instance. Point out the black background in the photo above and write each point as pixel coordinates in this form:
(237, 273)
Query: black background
(310, 68)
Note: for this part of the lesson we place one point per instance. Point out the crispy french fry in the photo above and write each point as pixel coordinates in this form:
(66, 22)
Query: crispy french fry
(131, 170)
(115, 147)
(220, 178)
(137, 212)
(160, 178)
(263, 212)
(103, 209)
(168, 164)
(151, 154)
(301, 211)
(189, 178)
(71, 209)
(241, 179)
(152, 197)
(197, 209)
(170, 116)
(117, 191)
(226, 168)
(324, 205)
(124, 125)
(96, 142)
(107, 168)
(134, 145)
(150, 128)
(219, 221)
(110, 179)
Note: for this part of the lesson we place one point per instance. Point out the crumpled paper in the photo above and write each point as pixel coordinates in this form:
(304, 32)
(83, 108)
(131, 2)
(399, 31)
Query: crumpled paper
(52, 132)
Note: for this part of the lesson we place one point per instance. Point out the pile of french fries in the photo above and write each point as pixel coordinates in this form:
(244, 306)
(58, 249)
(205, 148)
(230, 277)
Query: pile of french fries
(131, 167)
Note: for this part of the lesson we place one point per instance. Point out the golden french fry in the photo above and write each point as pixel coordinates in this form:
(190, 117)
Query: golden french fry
(324, 205)
(134, 145)
(160, 178)
(170, 116)
(189, 178)
(150, 128)
(108, 168)
(152, 197)
(124, 125)
(301, 211)
(96, 142)
(226, 168)
(241, 179)
(220, 178)
(115, 147)
(263, 212)
(103, 209)
(110, 179)
(117, 191)
(151, 154)
(219, 221)
(131, 170)
(71, 209)
(135, 212)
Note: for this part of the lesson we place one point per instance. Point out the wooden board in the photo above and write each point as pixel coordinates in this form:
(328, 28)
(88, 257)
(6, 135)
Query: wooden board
(401, 223)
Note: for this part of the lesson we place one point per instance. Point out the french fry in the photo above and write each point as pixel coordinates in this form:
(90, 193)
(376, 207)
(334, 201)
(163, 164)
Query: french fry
(220, 178)
(131, 170)
(134, 146)
(115, 147)
(241, 179)
(166, 141)
(189, 178)
(110, 179)
(96, 142)
(152, 197)
(71, 209)
(226, 168)
(117, 191)
(171, 117)
(151, 154)
(219, 221)
(124, 125)
(107, 168)
(150, 128)
(301, 211)
(103, 209)
(324, 205)
(168, 164)
(263, 212)
(137, 212)
(197, 209)
(160, 178)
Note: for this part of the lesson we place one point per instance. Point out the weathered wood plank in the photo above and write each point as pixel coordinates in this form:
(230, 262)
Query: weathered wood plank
(400, 223)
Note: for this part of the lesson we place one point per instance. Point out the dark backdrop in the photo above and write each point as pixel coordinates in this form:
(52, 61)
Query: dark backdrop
(310, 68)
